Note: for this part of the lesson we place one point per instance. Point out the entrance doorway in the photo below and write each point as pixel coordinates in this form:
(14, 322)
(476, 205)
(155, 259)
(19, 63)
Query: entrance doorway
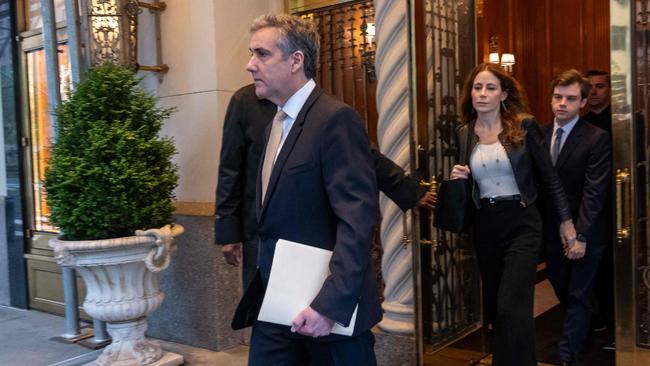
(449, 38)
(43, 274)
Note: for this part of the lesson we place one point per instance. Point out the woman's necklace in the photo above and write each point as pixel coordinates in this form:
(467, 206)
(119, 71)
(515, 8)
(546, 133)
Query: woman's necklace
(496, 180)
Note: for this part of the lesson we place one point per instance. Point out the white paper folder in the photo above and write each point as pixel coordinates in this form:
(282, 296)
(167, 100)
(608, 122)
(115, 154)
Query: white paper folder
(297, 275)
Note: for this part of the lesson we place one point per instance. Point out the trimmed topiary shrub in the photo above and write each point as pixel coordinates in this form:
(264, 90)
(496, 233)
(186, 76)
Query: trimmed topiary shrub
(110, 174)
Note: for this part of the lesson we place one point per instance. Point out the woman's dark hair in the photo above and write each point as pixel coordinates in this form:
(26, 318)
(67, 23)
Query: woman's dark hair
(513, 109)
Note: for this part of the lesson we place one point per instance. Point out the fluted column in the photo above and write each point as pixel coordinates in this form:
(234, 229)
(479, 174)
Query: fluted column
(391, 66)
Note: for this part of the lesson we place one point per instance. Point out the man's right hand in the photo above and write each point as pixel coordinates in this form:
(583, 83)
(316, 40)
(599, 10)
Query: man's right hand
(232, 253)
(428, 201)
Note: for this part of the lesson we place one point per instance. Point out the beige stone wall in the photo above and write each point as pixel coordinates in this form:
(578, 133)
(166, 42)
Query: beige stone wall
(205, 44)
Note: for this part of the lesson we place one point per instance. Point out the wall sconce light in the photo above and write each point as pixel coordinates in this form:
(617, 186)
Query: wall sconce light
(507, 61)
(111, 32)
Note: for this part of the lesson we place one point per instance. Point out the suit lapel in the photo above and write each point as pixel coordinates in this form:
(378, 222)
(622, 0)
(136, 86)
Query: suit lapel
(572, 141)
(285, 151)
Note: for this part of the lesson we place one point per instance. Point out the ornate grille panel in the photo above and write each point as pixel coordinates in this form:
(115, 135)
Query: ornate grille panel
(346, 67)
(453, 284)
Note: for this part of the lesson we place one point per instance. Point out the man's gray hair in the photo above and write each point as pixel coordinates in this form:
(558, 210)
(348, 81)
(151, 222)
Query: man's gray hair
(297, 34)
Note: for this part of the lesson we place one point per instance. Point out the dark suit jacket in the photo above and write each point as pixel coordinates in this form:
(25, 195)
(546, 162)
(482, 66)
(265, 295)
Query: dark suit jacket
(602, 119)
(246, 120)
(584, 168)
(323, 192)
(243, 139)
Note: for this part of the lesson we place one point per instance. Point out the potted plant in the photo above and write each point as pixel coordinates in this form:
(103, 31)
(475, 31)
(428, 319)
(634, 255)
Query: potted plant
(109, 186)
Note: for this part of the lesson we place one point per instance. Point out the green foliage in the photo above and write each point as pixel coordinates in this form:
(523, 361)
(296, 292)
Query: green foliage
(110, 173)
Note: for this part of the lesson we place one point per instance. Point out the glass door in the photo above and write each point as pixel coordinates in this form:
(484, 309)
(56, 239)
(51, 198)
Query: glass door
(630, 65)
(43, 274)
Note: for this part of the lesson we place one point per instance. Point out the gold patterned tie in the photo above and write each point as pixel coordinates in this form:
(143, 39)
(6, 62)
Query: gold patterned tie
(272, 149)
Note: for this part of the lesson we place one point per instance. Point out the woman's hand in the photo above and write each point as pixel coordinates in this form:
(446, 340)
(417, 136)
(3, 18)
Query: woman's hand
(460, 172)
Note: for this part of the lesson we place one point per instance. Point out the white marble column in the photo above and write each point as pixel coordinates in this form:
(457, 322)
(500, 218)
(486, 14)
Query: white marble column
(392, 63)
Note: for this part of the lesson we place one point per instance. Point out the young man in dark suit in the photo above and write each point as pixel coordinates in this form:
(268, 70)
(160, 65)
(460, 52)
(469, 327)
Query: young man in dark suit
(316, 185)
(581, 154)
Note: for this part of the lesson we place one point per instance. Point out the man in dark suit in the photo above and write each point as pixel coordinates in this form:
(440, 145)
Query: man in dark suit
(243, 139)
(316, 186)
(235, 226)
(600, 115)
(600, 110)
(581, 154)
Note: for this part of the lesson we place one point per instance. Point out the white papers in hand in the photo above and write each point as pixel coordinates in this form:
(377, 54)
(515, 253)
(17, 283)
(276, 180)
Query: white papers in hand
(297, 275)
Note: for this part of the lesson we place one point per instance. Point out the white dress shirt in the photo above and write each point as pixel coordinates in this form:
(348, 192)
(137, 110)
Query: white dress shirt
(292, 107)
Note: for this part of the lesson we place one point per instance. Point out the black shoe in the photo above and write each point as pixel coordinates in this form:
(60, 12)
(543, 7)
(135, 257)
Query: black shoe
(566, 363)
(598, 324)
(563, 362)
(599, 328)
(610, 347)
(571, 361)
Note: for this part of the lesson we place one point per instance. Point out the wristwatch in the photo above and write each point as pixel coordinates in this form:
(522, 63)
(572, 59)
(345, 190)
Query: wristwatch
(581, 237)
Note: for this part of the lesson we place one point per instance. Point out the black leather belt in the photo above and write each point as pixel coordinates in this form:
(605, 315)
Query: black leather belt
(514, 197)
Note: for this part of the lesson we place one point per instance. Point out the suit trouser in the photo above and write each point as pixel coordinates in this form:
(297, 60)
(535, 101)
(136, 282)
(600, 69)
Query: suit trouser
(275, 345)
(605, 286)
(573, 282)
(508, 240)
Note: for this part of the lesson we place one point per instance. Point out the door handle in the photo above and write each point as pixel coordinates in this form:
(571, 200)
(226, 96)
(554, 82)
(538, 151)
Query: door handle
(623, 204)
(432, 185)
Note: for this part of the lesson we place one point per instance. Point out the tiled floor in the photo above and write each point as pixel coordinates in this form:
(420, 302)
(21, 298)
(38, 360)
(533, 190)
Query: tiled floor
(544, 298)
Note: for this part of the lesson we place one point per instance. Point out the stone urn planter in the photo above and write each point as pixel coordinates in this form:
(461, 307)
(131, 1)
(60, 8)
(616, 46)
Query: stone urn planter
(121, 277)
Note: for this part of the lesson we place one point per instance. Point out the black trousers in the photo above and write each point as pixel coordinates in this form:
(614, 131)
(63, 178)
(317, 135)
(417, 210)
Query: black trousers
(605, 287)
(508, 239)
(275, 345)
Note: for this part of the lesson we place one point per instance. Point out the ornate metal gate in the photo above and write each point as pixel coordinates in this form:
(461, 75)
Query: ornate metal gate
(444, 30)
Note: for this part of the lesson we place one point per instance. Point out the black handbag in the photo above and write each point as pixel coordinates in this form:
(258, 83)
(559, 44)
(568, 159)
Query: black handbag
(454, 207)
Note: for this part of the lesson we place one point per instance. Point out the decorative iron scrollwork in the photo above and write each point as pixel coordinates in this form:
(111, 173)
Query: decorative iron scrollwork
(454, 280)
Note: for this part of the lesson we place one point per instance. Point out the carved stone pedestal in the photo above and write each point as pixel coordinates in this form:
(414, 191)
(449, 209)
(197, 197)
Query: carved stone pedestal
(121, 277)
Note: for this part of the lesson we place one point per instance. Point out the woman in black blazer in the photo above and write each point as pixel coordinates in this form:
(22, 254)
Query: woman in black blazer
(507, 164)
